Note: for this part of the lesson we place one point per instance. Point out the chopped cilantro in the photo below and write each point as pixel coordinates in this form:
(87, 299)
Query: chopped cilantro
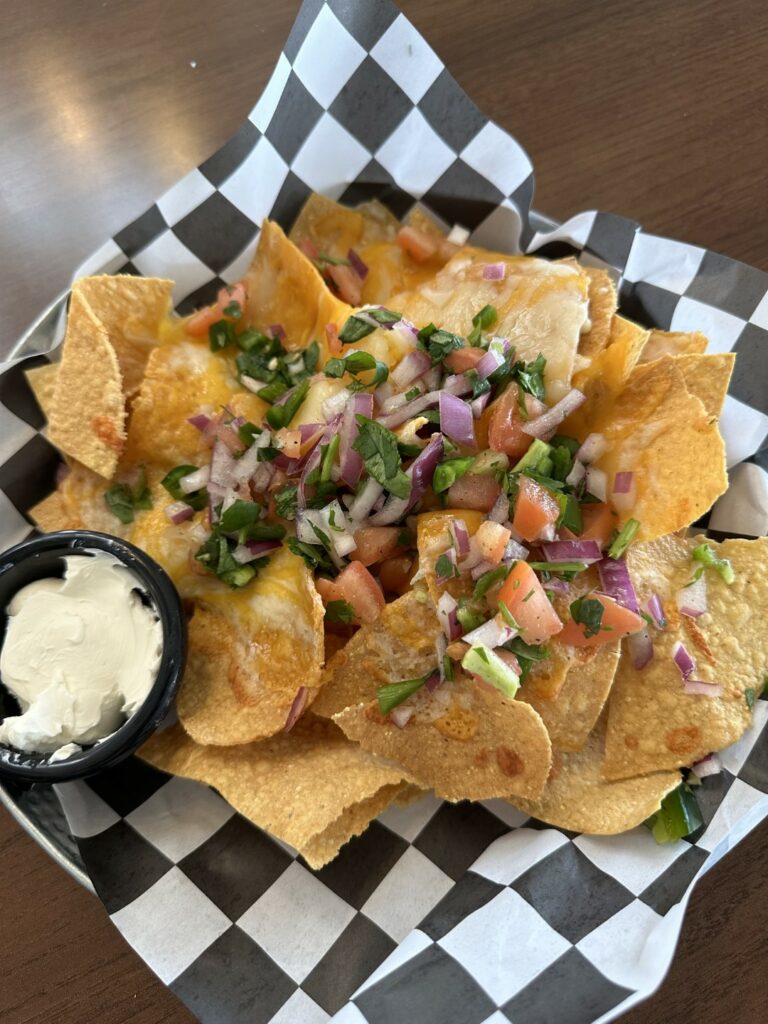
(123, 500)
(339, 612)
(221, 334)
(356, 328)
(530, 376)
(588, 611)
(480, 322)
(570, 512)
(281, 415)
(445, 568)
(378, 449)
(356, 363)
(233, 309)
(678, 816)
(624, 538)
(749, 697)
(704, 554)
(216, 556)
(439, 342)
(412, 393)
(248, 433)
(196, 500)
(239, 515)
(314, 555)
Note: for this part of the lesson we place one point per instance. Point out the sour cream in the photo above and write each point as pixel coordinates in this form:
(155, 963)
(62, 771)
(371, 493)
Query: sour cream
(80, 655)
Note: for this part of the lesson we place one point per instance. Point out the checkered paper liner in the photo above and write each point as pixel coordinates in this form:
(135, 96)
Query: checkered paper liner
(439, 913)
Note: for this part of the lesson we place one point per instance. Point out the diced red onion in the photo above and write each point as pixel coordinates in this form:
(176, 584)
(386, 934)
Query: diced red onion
(490, 362)
(481, 568)
(200, 421)
(456, 420)
(446, 614)
(624, 500)
(350, 463)
(178, 512)
(365, 500)
(459, 536)
(195, 480)
(492, 633)
(257, 548)
(312, 463)
(478, 404)
(246, 465)
(221, 478)
(685, 663)
(572, 551)
(597, 482)
(692, 600)
(262, 478)
(335, 405)
(434, 679)
(709, 765)
(308, 430)
(500, 511)
(432, 378)
(622, 482)
(698, 687)
(494, 271)
(561, 586)
(251, 384)
(548, 533)
(299, 703)
(421, 471)
(450, 556)
(277, 331)
(458, 235)
(515, 550)
(640, 648)
(474, 557)
(409, 410)
(383, 392)
(655, 609)
(357, 264)
(616, 582)
(457, 384)
(593, 447)
(411, 366)
(546, 424)
(401, 715)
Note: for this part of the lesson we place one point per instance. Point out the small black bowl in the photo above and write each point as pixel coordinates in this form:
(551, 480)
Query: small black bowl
(43, 558)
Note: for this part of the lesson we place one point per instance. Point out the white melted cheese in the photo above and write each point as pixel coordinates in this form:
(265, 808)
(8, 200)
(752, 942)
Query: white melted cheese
(80, 654)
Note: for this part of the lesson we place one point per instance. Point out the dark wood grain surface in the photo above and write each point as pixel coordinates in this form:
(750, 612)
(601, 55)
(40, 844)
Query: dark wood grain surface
(655, 110)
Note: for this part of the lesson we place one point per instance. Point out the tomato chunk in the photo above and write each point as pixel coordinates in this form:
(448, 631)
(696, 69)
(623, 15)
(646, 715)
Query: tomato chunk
(473, 491)
(526, 599)
(535, 509)
(505, 427)
(332, 338)
(463, 359)
(374, 543)
(358, 588)
(616, 623)
(349, 284)
(417, 244)
(492, 539)
(598, 523)
(199, 322)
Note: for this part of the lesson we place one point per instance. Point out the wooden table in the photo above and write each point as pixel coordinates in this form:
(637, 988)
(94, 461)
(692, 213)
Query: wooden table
(653, 110)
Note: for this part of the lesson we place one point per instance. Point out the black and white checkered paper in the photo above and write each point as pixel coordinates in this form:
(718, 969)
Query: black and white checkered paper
(445, 914)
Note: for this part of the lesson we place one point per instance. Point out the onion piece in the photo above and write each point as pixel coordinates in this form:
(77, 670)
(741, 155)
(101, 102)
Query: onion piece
(685, 663)
(457, 384)
(494, 271)
(477, 405)
(640, 647)
(500, 511)
(458, 235)
(365, 500)
(335, 404)
(597, 482)
(481, 568)
(357, 264)
(221, 479)
(456, 420)
(622, 482)
(515, 550)
(490, 362)
(492, 633)
(655, 609)
(401, 715)
(277, 331)
(699, 687)
(420, 472)
(200, 421)
(450, 556)
(179, 512)
(617, 583)
(446, 613)
(572, 551)
(404, 330)
(624, 494)
(459, 537)
(577, 473)
(593, 447)
(299, 703)
(546, 424)
(561, 586)
(692, 600)
(709, 765)
(194, 481)
(257, 548)
(350, 463)
(411, 366)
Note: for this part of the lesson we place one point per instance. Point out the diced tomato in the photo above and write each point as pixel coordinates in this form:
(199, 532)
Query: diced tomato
(463, 359)
(395, 574)
(199, 322)
(417, 244)
(492, 539)
(374, 543)
(358, 588)
(505, 428)
(348, 283)
(332, 337)
(617, 622)
(598, 521)
(535, 509)
(524, 596)
(309, 249)
(227, 295)
(473, 491)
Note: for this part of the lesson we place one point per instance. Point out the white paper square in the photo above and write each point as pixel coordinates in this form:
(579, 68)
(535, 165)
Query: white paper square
(184, 196)
(510, 855)
(330, 158)
(410, 947)
(168, 257)
(760, 316)
(498, 157)
(408, 892)
(179, 817)
(506, 812)
(743, 428)
(737, 803)
(575, 230)
(328, 58)
(296, 921)
(744, 506)
(663, 262)
(733, 757)
(349, 1014)
(300, 1009)
(633, 858)
(262, 113)
(721, 328)
(14, 528)
(504, 945)
(14, 433)
(240, 264)
(616, 948)
(409, 821)
(255, 185)
(171, 924)
(106, 260)
(407, 58)
(415, 155)
(86, 813)
(500, 230)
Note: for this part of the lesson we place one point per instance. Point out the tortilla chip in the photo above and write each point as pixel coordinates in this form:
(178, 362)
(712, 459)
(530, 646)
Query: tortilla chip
(653, 724)
(707, 377)
(131, 310)
(433, 539)
(250, 651)
(542, 306)
(42, 380)
(284, 287)
(310, 787)
(602, 307)
(399, 645)
(673, 343)
(335, 229)
(577, 797)
(571, 715)
(87, 419)
(658, 430)
(51, 514)
(464, 741)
